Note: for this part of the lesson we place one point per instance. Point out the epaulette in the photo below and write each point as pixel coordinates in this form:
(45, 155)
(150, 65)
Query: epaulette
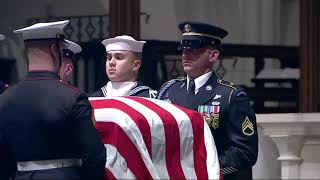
(226, 83)
(137, 89)
(167, 85)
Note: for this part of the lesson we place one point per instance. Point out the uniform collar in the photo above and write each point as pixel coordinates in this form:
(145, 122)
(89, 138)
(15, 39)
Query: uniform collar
(199, 81)
(120, 88)
(42, 74)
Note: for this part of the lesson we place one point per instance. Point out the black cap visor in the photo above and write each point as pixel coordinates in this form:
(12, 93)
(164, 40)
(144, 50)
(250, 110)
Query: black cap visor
(196, 42)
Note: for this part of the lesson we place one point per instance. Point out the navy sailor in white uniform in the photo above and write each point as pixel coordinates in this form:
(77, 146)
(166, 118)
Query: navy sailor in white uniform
(123, 61)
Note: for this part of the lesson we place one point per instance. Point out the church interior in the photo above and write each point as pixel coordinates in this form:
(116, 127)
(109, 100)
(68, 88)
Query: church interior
(272, 50)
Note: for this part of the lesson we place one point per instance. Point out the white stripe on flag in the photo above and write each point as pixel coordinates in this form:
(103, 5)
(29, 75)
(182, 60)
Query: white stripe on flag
(186, 137)
(131, 130)
(212, 156)
(158, 135)
(116, 164)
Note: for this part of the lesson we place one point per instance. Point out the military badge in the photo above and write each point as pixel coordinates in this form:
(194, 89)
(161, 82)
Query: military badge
(217, 96)
(207, 118)
(214, 120)
(215, 103)
(247, 127)
(208, 88)
(210, 115)
(187, 28)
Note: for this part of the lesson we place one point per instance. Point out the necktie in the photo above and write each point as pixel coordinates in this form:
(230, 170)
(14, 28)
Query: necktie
(191, 87)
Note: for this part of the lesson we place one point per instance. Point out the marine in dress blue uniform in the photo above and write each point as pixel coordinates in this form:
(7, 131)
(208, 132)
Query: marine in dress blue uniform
(224, 106)
(46, 128)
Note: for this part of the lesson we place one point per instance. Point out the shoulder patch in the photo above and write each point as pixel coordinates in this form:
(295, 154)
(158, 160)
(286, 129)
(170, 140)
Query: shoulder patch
(241, 94)
(167, 85)
(226, 83)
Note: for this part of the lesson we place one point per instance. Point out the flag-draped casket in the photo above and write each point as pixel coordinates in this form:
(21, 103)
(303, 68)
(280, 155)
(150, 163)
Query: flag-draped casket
(153, 139)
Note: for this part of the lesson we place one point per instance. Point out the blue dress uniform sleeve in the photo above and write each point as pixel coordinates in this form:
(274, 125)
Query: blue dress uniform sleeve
(7, 162)
(89, 140)
(243, 150)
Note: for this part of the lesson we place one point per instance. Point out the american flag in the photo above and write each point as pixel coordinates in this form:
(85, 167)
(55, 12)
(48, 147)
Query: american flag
(153, 139)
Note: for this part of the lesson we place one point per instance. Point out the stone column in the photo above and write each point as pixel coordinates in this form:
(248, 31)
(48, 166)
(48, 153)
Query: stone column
(289, 147)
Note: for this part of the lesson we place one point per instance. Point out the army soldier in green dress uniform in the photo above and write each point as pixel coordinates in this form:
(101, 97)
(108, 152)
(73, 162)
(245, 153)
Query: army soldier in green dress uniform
(225, 106)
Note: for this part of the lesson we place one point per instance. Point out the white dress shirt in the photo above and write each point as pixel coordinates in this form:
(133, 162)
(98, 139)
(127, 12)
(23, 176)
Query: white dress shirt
(199, 81)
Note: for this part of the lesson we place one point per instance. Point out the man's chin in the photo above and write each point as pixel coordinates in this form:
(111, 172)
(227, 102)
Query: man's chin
(187, 69)
(115, 79)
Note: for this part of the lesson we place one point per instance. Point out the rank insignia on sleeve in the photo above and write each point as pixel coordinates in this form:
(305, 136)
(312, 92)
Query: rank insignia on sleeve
(210, 115)
(247, 127)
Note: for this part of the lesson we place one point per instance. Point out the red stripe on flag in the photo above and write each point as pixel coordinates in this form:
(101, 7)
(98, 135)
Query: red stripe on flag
(172, 138)
(199, 148)
(136, 116)
(126, 148)
(108, 174)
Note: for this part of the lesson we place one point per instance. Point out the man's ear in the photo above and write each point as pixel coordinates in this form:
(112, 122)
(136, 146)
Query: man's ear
(55, 55)
(69, 69)
(214, 55)
(136, 65)
(54, 50)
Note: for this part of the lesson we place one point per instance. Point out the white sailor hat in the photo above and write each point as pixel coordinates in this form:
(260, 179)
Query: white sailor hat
(52, 30)
(70, 49)
(123, 43)
(2, 37)
(72, 46)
